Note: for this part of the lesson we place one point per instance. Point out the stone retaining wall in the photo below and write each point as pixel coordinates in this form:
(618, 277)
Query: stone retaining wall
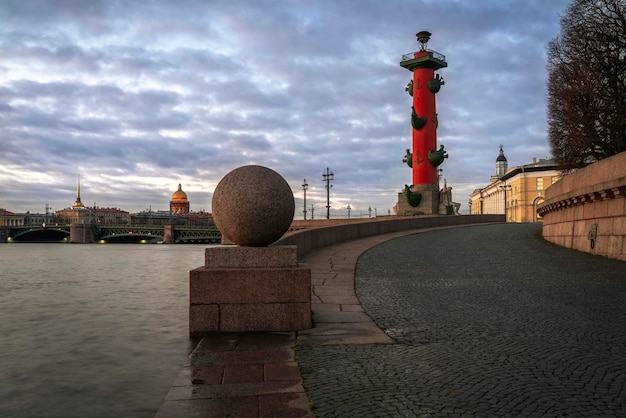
(308, 240)
(586, 210)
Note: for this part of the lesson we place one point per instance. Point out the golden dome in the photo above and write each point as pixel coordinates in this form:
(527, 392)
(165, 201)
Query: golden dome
(179, 195)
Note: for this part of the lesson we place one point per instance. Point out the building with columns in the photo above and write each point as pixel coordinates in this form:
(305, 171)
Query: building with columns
(11, 219)
(515, 192)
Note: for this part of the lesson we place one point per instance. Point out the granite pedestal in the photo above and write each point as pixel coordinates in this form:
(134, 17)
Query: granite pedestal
(244, 289)
(429, 203)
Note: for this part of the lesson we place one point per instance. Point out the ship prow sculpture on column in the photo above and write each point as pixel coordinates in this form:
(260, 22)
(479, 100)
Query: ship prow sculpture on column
(250, 286)
(422, 197)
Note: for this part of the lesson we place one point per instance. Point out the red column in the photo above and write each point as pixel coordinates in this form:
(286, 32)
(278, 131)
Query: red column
(424, 139)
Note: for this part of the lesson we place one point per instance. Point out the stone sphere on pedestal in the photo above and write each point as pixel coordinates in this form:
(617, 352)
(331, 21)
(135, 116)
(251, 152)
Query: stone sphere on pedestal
(253, 206)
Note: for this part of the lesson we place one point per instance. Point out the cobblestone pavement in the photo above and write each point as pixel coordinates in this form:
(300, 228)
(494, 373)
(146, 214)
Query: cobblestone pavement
(487, 321)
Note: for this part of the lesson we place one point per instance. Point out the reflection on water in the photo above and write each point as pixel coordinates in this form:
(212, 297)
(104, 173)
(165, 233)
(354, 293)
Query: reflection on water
(92, 330)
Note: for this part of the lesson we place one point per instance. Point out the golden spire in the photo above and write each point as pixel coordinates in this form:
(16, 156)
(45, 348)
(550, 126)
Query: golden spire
(78, 203)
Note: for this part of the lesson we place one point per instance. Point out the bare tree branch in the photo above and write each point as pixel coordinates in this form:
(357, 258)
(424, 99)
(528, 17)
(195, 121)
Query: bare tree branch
(587, 83)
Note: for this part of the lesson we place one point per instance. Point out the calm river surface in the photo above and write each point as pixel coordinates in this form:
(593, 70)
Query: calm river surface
(92, 330)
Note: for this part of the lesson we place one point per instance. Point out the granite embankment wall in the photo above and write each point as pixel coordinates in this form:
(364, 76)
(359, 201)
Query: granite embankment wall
(586, 210)
(322, 233)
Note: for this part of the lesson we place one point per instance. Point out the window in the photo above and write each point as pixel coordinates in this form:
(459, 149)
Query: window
(554, 179)
(540, 183)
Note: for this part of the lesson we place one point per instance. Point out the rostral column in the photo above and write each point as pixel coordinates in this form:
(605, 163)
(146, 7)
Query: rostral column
(425, 157)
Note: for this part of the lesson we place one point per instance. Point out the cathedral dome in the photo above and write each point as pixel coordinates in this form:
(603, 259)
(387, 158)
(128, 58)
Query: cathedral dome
(179, 195)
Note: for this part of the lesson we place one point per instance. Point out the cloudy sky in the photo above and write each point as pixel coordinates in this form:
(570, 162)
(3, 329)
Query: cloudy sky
(138, 96)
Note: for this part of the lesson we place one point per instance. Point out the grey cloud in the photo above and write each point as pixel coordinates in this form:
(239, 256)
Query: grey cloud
(67, 106)
(45, 14)
(195, 89)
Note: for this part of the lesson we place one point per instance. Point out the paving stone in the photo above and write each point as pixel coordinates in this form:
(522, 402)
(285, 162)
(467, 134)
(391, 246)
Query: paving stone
(284, 405)
(282, 371)
(487, 321)
(244, 407)
(243, 373)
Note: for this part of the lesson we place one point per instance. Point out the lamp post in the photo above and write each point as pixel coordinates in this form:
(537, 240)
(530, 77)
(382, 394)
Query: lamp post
(328, 177)
(305, 186)
(505, 187)
(349, 209)
(312, 212)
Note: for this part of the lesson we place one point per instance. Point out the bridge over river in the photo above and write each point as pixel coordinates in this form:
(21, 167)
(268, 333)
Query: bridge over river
(86, 233)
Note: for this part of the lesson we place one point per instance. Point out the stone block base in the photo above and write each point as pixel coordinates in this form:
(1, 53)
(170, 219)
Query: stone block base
(242, 289)
(429, 204)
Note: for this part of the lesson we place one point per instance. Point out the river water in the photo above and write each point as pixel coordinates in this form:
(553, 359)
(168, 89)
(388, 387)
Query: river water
(92, 330)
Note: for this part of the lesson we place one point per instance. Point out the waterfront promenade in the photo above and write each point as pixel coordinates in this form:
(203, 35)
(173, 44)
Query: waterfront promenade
(484, 320)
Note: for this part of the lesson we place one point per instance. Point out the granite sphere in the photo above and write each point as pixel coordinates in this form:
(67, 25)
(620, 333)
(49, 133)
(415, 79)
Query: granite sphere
(253, 206)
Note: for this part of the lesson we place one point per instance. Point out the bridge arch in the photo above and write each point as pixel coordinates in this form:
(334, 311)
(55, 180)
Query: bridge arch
(40, 234)
(130, 238)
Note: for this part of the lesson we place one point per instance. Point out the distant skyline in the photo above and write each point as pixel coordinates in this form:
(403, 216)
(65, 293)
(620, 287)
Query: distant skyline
(137, 97)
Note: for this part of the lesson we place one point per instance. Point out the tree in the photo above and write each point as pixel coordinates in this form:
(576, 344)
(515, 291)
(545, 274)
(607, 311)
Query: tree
(587, 83)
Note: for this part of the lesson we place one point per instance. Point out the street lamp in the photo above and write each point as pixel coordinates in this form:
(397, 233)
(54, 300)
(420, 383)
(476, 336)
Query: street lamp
(312, 212)
(328, 177)
(305, 186)
(349, 209)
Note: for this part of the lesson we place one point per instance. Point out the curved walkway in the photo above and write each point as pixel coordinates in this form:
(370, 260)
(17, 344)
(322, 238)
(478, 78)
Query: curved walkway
(487, 321)
(478, 321)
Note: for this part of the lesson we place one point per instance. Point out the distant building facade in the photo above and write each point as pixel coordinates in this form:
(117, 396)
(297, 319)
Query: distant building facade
(8, 218)
(110, 216)
(166, 218)
(11, 219)
(38, 219)
(516, 192)
(92, 215)
(73, 215)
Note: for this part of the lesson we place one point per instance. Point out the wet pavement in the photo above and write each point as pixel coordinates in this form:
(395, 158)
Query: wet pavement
(239, 375)
(468, 321)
